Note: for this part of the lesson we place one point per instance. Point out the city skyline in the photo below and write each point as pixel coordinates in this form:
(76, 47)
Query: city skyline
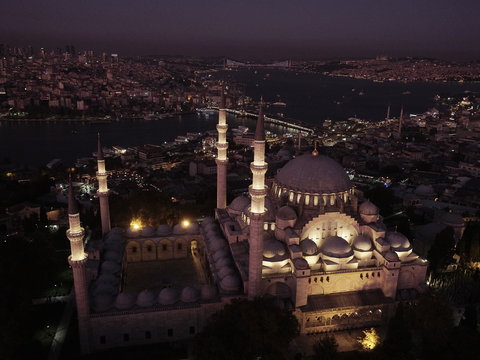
(278, 29)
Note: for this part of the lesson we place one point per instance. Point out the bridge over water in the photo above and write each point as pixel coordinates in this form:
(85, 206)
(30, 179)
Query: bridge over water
(279, 64)
(287, 123)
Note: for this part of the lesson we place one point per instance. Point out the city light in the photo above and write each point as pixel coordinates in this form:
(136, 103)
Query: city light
(136, 224)
(185, 223)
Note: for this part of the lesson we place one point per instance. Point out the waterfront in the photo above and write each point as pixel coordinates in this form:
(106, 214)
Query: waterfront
(311, 98)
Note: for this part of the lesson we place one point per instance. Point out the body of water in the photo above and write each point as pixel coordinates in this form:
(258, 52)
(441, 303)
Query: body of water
(311, 98)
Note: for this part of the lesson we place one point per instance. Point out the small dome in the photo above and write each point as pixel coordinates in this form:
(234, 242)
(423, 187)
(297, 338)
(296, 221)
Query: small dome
(272, 248)
(397, 240)
(225, 271)
(146, 298)
(230, 283)
(110, 267)
(179, 230)
(314, 174)
(362, 243)
(239, 203)
(300, 264)
(286, 213)
(337, 247)
(163, 230)
(132, 233)
(124, 301)
(189, 294)
(391, 256)
(308, 247)
(208, 292)
(147, 231)
(368, 208)
(220, 254)
(116, 230)
(168, 296)
(113, 256)
(193, 228)
(102, 302)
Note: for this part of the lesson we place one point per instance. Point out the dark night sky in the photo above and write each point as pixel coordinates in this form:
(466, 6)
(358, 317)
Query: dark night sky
(261, 28)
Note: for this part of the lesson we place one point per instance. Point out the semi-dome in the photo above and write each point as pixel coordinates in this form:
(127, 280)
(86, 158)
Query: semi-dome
(391, 256)
(189, 294)
(217, 243)
(163, 230)
(300, 264)
(124, 301)
(230, 283)
(168, 296)
(146, 298)
(368, 208)
(314, 174)
(308, 247)
(272, 248)
(337, 247)
(362, 243)
(110, 267)
(397, 240)
(222, 262)
(220, 254)
(225, 271)
(286, 213)
(239, 203)
(147, 231)
(208, 292)
(114, 256)
(108, 279)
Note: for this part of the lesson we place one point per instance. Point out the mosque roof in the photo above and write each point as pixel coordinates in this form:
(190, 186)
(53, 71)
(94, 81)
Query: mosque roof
(337, 247)
(314, 174)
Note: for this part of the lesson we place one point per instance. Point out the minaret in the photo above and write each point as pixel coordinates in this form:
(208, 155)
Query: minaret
(222, 159)
(103, 189)
(77, 261)
(257, 209)
(400, 123)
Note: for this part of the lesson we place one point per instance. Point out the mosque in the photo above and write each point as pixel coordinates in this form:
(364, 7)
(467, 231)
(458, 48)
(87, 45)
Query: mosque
(306, 238)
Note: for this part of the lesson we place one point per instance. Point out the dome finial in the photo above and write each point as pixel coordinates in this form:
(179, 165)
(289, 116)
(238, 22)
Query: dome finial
(99, 148)
(315, 151)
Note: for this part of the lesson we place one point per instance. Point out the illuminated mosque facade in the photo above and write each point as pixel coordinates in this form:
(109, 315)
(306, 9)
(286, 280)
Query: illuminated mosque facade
(305, 238)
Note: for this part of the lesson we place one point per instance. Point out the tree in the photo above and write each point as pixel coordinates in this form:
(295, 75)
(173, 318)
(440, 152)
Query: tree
(326, 348)
(247, 330)
(441, 252)
(398, 340)
(370, 339)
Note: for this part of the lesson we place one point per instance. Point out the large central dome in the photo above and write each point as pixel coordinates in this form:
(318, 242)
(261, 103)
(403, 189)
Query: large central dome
(314, 174)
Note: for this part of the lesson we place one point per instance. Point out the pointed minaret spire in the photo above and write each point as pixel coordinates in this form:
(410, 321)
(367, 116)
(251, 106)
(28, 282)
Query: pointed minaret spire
(103, 189)
(400, 124)
(257, 192)
(260, 129)
(99, 148)
(72, 202)
(222, 159)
